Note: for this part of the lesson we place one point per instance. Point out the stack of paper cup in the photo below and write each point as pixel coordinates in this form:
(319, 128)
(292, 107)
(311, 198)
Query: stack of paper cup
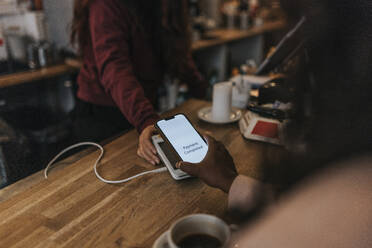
(221, 107)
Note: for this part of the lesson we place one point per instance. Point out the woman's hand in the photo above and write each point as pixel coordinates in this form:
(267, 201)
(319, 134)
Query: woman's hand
(146, 149)
(217, 168)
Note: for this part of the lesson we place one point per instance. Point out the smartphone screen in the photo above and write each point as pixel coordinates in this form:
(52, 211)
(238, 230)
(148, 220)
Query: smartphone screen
(187, 142)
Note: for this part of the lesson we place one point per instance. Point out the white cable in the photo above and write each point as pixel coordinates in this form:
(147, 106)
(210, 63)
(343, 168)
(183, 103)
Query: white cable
(96, 163)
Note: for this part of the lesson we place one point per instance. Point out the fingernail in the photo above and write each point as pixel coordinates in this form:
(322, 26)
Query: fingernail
(152, 162)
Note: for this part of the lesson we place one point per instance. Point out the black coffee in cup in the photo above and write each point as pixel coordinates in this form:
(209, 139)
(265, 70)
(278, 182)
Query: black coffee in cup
(199, 241)
(198, 231)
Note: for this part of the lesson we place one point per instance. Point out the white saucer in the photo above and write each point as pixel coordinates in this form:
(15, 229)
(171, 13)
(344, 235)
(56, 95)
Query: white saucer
(161, 242)
(205, 114)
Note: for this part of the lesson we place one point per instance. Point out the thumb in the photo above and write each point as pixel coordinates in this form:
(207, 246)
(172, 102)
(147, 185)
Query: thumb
(189, 168)
(210, 140)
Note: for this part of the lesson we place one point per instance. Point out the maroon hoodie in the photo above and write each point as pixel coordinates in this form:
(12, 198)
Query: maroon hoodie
(120, 67)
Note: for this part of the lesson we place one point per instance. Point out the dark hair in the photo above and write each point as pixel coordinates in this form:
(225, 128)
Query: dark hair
(332, 117)
(80, 24)
(164, 21)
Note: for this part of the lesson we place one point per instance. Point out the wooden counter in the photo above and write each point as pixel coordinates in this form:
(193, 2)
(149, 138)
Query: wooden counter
(74, 209)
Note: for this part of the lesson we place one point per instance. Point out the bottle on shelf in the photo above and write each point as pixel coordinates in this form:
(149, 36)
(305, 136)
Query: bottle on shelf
(244, 14)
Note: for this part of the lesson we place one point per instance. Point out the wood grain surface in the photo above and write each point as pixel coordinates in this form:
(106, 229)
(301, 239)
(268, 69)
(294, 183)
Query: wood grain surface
(229, 35)
(35, 75)
(72, 208)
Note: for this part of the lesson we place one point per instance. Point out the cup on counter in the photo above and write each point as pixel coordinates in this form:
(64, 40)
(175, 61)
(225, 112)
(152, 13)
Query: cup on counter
(32, 56)
(40, 54)
(45, 53)
(197, 230)
(221, 106)
(241, 92)
(244, 20)
(230, 21)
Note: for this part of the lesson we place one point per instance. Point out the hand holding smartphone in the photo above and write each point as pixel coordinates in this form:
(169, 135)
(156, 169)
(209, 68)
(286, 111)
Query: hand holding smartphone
(184, 139)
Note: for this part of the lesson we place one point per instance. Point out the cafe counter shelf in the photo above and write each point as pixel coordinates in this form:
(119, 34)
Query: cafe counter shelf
(223, 36)
(219, 37)
(36, 75)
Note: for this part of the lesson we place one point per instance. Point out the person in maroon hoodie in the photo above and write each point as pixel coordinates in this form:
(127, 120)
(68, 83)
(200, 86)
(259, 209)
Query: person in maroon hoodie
(127, 47)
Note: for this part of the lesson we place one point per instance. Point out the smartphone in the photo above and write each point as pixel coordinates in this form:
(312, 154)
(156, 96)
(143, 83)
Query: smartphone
(183, 138)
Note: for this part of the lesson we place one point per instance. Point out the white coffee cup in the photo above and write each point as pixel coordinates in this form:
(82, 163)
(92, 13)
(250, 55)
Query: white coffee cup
(221, 107)
(198, 224)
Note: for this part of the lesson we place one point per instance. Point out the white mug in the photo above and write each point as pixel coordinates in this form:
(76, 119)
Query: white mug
(197, 224)
(221, 107)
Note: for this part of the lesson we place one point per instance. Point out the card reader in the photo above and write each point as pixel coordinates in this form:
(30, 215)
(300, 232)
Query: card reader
(168, 157)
